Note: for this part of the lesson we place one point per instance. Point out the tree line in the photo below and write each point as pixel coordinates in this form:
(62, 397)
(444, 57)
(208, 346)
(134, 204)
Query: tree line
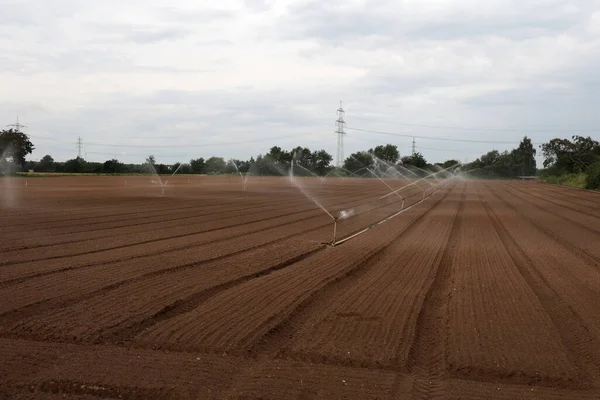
(561, 156)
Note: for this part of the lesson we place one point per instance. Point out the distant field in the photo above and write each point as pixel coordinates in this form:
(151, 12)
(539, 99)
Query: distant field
(487, 289)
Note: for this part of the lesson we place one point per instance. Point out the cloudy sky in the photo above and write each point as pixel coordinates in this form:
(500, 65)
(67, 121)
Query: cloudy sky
(232, 78)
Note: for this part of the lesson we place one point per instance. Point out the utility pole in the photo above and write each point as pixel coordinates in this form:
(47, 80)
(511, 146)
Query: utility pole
(340, 132)
(17, 125)
(79, 147)
(413, 147)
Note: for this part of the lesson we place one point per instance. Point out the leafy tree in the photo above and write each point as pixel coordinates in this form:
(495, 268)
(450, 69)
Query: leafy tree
(449, 163)
(46, 164)
(388, 153)
(14, 145)
(280, 157)
(320, 161)
(215, 165)
(358, 161)
(197, 165)
(244, 166)
(302, 156)
(162, 169)
(113, 167)
(76, 165)
(185, 169)
(564, 155)
(490, 158)
(149, 167)
(593, 176)
(416, 160)
(524, 156)
(231, 167)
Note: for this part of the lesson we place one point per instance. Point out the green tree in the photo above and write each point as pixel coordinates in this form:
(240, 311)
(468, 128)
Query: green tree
(449, 163)
(149, 166)
(358, 161)
(524, 156)
(593, 176)
(279, 157)
(416, 160)
(162, 169)
(388, 153)
(197, 165)
(320, 160)
(46, 164)
(14, 145)
(76, 165)
(215, 165)
(566, 156)
(302, 156)
(113, 167)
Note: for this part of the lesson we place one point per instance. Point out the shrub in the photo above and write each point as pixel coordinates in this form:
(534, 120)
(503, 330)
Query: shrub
(593, 176)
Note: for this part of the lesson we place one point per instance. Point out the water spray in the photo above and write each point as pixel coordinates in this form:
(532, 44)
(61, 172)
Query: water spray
(385, 183)
(294, 181)
(336, 243)
(244, 178)
(415, 182)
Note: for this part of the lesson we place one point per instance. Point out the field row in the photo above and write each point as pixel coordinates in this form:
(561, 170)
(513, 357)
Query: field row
(484, 286)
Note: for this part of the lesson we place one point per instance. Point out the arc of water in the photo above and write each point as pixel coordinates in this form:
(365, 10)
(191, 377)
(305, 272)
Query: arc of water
(162, 185)
(244, 178)
(308, 196)
(358, 170)
(415, 182)
(385, 183)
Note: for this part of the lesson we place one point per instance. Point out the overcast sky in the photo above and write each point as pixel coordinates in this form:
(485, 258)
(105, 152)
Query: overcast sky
(134, 78)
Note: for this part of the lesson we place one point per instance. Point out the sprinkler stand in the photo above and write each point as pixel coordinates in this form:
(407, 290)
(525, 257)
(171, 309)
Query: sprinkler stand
(334, 231)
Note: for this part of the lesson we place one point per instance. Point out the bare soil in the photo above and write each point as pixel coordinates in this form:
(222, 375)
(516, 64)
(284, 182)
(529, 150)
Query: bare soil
(487, 289)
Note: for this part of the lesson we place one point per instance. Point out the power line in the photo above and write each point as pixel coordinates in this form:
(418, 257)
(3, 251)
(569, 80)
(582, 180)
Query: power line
(156, 146)
(434, 137)
(540, 130)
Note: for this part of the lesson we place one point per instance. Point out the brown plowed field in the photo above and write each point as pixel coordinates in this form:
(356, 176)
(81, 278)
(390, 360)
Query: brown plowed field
(478, 289)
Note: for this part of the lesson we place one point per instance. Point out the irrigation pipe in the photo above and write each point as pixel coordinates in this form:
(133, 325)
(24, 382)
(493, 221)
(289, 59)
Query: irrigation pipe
(335, 243)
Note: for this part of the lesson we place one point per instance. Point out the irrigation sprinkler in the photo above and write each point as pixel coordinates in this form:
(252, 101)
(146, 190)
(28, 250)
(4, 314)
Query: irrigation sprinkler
(295, 182)
(244, 178)
(334, 231)
(389, 187)
(338, 242)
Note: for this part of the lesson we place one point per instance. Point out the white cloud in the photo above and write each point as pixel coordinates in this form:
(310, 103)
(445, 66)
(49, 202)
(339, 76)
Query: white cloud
(207, 72)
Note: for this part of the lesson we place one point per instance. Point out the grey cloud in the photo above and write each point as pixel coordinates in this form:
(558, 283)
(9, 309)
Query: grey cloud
(507, 94)
(26, 62)
(341, 25)
(215, 42)
(257, 5)
(36, 13)
(143, 35)
(178, 15)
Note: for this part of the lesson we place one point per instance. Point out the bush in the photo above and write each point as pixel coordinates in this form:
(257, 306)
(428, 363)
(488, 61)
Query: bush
(593, 176)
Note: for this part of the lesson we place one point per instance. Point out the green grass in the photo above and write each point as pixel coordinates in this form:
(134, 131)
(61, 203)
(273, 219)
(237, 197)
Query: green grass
(572, 180)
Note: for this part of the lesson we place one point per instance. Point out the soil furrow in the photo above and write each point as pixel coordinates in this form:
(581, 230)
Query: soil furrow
(426, 357)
